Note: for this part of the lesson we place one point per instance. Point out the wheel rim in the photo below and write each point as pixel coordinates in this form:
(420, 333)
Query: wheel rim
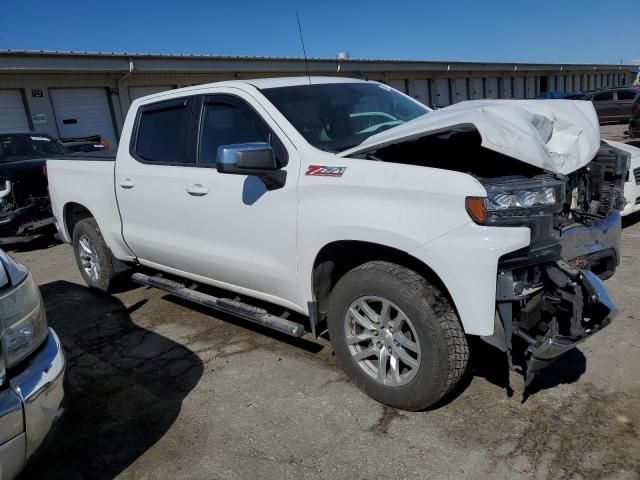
(88, 258)
(382, 340)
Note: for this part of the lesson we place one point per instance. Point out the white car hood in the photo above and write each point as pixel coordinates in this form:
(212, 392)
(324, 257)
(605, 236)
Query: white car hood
(556, 135)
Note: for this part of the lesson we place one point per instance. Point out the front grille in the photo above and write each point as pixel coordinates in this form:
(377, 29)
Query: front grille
(636, 173)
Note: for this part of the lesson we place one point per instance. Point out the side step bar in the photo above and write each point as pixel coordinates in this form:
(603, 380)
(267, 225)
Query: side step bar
(233, 307)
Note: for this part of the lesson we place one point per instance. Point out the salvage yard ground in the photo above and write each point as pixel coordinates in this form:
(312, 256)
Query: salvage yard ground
(159, 389)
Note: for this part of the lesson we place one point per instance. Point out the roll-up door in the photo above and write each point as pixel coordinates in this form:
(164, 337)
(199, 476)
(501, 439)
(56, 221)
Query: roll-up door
(82, 112)
(13, 117)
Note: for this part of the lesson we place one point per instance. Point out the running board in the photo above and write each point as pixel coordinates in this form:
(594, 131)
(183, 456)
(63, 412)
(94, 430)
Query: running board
(226, 305)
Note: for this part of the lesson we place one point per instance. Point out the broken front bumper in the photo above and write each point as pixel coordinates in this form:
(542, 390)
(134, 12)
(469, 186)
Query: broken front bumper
(552, 297)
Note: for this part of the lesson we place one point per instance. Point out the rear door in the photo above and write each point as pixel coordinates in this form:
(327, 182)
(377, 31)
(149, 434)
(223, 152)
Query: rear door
(150, 181)
(605, 106)
(624, 100)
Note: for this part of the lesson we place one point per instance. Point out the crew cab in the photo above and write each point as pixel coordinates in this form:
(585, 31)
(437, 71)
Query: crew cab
(400, 230)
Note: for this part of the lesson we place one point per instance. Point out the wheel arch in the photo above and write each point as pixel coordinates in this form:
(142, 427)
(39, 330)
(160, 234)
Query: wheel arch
(337, 258)
(72, 213)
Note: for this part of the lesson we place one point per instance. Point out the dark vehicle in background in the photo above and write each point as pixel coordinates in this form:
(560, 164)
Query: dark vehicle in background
(614, 104)
(634, 122)
(94, 143)
(25, 208)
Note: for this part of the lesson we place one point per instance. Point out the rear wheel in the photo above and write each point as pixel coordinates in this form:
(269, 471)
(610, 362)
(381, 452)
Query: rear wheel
(396, 335)
(97, 265)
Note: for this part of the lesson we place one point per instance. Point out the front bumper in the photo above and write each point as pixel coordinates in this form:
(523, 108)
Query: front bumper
(23, 224)
(30, 406)
(552, 297)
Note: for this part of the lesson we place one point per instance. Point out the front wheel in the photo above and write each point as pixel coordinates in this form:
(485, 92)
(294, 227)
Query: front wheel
(97, 265)
(396, 335)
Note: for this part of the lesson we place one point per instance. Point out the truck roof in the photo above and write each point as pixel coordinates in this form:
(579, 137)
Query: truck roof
(260, 83)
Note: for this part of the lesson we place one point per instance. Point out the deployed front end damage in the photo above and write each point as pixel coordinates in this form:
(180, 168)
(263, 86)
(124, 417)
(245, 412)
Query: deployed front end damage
(551, 295)
(544, 167)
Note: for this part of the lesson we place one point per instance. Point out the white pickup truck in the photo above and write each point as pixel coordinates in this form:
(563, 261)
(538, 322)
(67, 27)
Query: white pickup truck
(400, 230)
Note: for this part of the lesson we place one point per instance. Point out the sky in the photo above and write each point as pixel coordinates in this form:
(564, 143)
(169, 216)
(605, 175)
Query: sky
(586, 31)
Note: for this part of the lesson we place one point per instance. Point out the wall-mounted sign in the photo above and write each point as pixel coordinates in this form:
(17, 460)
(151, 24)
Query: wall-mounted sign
(37, 92)
(39, 118)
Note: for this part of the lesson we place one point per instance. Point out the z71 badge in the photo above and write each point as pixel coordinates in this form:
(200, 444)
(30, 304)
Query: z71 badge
(325, 171)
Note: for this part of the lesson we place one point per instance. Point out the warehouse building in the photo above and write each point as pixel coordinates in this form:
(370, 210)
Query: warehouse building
(78, 94)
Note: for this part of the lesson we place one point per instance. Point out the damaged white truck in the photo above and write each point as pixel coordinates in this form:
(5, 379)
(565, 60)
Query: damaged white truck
(400, 230)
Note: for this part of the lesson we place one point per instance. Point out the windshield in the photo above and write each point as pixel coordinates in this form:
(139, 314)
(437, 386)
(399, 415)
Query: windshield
(25, 146)
(338, 116)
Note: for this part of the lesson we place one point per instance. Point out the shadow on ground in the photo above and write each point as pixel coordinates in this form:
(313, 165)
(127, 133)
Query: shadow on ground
(125, 386)
(491, 364)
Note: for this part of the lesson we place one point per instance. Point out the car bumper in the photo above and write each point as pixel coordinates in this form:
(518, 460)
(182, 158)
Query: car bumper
(631, 196)
(23, 225)
(30, 406)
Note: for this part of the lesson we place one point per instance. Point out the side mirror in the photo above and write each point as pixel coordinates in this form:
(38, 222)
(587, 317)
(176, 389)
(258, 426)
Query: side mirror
(257, 159)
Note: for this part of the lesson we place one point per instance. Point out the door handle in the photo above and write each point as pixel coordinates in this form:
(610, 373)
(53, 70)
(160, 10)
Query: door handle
(197, 190)
(127, 183)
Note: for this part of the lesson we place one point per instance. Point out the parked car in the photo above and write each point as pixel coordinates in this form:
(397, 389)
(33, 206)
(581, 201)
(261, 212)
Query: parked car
(634, 121)
(489, 218)
(632, 185)
(25, 210)
(612, 105)
(32, 367)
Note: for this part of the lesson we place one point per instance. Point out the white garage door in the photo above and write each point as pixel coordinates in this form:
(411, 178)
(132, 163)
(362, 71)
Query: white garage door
(442, 98)
(398, 84)
(477, 88)
(137, 92)
(419, 89)
(518, 87)
(492, 87)
(460, 90)
(13, 118)
(82, 112)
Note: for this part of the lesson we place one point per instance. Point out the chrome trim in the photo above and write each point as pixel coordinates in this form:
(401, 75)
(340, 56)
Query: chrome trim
(11, 422)
(579, 240)
(12, 457)
(40, 387)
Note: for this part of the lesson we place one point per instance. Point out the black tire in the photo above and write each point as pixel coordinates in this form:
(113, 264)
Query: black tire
(443, 345)
(108, 265)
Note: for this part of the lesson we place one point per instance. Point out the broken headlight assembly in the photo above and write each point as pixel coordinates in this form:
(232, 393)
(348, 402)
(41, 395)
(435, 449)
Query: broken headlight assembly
(513, 201)
(23, 322)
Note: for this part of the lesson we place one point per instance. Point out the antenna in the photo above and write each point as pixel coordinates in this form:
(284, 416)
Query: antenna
(304, 51)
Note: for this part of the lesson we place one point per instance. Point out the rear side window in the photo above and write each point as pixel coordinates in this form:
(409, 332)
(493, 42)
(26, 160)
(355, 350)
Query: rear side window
(603, 97)
(163, 132)
(626, 94)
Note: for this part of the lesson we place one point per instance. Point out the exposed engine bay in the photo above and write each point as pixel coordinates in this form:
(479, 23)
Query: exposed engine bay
(549, 295)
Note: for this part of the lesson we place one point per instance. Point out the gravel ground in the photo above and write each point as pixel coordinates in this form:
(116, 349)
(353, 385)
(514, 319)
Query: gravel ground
(159, 389)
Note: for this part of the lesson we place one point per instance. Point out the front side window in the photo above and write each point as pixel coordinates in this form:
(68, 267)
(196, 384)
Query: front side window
(232, 122)
(338, 116)
(163, 131)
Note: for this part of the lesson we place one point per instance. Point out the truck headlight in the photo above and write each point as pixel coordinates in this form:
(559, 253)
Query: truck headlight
(23, 321)
(515, 199)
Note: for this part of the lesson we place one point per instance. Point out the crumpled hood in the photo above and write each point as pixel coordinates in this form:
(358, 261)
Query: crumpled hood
(560, 136)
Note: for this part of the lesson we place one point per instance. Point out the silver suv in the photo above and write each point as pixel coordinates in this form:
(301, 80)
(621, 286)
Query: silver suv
(32, 367)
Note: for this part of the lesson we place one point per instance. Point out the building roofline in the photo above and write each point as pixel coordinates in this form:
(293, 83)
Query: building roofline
(295, 58)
